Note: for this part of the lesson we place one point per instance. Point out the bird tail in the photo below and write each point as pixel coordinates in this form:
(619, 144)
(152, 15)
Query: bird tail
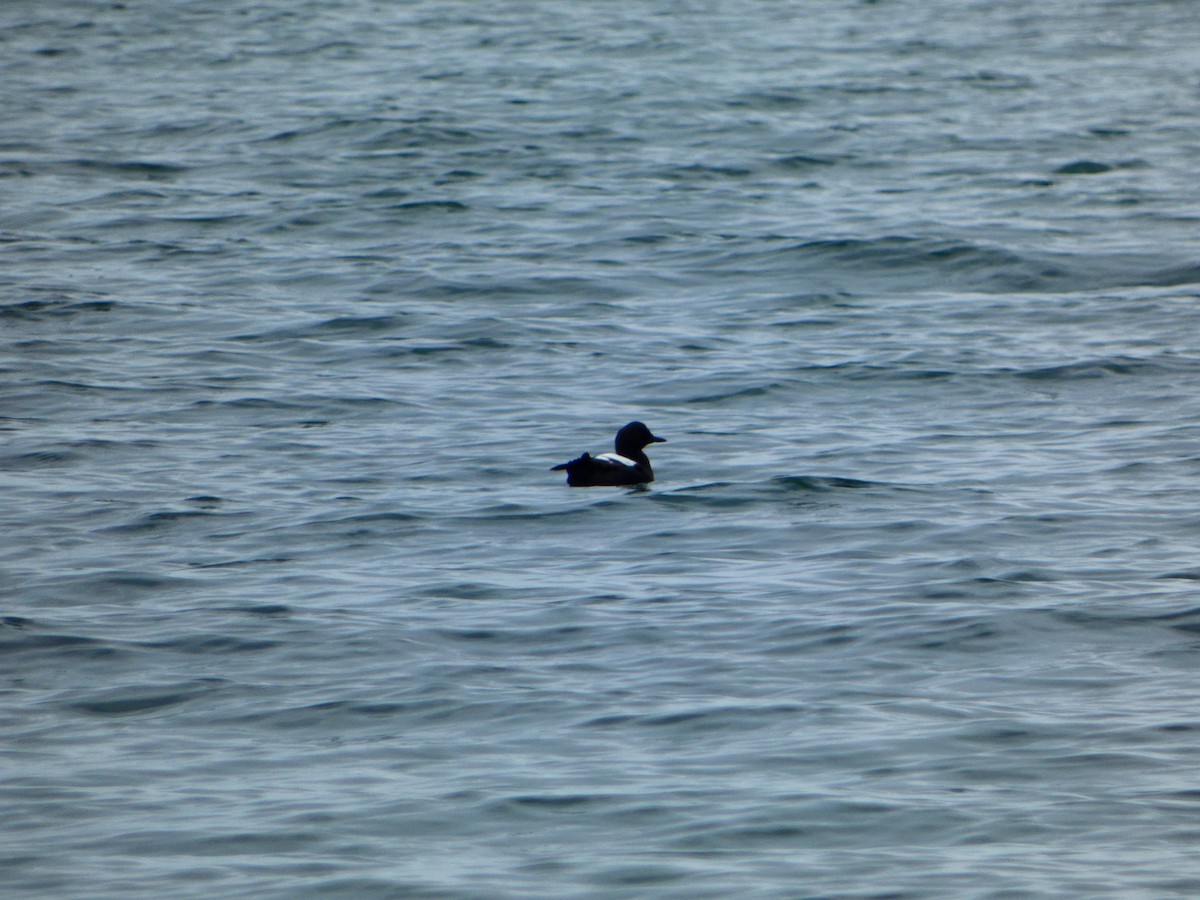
(567, 465)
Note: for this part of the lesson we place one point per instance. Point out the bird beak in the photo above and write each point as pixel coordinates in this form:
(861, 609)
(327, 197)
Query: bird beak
(657, 440)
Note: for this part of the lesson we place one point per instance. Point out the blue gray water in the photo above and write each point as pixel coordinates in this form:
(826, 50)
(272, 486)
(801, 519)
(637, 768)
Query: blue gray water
(299, 303)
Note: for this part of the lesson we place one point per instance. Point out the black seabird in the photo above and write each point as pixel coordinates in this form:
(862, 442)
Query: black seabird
(629, 465)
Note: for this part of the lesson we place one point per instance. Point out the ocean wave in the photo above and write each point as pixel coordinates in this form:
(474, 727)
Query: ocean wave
(336, 325)
(730, 494)
(134, 699)
(163, 519)
(1106, 367)
(941, 264)
(39, 310)
(375, 134)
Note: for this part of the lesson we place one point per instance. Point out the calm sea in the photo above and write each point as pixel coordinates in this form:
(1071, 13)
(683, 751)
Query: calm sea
(300, 302)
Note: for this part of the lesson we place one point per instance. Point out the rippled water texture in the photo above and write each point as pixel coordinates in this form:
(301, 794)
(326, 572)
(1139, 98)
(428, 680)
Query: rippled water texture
(300, 302)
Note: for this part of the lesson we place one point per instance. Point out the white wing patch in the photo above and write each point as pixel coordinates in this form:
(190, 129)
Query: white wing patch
(618, 459)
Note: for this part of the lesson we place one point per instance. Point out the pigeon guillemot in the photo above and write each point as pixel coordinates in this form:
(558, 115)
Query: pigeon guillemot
(629, 465)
